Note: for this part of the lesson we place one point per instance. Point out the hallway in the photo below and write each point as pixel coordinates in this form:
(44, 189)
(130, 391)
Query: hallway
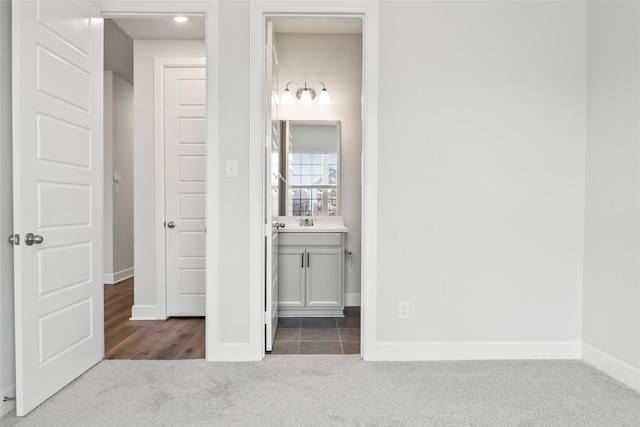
(171, 339)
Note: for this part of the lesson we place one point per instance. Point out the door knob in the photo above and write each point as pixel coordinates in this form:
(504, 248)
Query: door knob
(171, 224)
(30, 239)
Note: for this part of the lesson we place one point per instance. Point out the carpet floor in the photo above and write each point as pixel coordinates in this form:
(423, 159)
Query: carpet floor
(338, 391)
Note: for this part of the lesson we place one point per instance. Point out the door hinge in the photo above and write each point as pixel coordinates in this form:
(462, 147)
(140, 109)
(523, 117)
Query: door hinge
(266, 316)
(14, 239)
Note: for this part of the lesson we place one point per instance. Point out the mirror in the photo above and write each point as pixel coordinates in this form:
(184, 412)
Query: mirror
(311, 159)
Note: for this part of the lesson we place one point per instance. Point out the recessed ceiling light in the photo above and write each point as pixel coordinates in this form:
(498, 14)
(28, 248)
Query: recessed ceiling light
(181, 19)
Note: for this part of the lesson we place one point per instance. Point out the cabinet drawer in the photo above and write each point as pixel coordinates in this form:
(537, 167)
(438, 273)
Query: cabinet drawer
(310, 239)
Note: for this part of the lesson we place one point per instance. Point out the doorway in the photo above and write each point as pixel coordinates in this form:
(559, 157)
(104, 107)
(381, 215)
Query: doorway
(324, 53)
(168, 166)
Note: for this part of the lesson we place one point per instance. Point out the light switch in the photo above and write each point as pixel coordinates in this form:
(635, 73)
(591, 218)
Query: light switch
(232, 168)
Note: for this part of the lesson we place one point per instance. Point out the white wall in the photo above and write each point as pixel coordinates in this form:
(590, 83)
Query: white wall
(118, 153)
(145, 220)
(336, 60)
(118, 197)
(611, 338)
(118, 51)
(7, 346)
(481, 179)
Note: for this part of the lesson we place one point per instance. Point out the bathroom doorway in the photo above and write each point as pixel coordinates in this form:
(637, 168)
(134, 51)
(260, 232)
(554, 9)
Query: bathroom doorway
(324, 53)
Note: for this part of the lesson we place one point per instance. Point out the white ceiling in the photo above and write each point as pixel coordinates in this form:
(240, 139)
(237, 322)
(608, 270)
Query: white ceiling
(165, 28)
(162, 28)
(318, 25)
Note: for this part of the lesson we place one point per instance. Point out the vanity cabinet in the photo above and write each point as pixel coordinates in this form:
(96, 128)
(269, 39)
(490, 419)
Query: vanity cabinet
(311, 274)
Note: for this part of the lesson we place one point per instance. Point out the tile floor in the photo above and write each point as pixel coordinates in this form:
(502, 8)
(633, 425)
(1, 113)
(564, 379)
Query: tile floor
(319, 335)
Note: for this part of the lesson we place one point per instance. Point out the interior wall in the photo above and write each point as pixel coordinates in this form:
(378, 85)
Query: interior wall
(145, 219)
(611, 337)
(336, 60)
(7, 325)
(118, 51)
(118, 154)
(118, 196)
(481, 179)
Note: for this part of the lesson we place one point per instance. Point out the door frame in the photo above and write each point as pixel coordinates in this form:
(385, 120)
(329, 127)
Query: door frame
(260, 12)
(160, 64)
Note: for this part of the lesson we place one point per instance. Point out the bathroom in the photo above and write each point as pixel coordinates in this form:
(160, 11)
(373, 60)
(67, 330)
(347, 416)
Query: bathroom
(318, 53)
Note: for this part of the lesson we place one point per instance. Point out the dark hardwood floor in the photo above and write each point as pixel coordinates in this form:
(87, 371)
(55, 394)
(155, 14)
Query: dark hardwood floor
(171, 339)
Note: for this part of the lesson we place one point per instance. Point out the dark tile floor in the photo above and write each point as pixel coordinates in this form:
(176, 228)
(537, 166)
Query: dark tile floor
(319, 335)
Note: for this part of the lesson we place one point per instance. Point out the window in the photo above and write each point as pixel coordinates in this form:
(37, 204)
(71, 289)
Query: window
(313, 184)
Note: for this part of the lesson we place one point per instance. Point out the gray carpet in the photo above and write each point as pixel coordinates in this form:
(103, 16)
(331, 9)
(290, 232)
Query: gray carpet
(339, 390)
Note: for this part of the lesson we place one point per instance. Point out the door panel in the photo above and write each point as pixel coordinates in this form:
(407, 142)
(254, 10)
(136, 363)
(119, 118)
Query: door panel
(271, 183)
(185, 175)
(292, 277)
(57, 165)
(324, 281)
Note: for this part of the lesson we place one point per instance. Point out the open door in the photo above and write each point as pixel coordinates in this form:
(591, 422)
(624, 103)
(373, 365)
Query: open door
(57, 175)
(272, 180)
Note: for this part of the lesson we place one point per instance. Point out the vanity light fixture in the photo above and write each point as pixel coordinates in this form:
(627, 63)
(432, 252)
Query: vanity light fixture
(305, 94)
(181, 19)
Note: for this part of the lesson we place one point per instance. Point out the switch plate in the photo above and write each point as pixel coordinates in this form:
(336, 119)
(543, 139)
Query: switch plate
(232, 169)
(403, 310)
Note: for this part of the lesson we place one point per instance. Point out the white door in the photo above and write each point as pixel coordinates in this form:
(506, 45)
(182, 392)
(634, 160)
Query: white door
(185, 136)
(272, 180)
(57, 175)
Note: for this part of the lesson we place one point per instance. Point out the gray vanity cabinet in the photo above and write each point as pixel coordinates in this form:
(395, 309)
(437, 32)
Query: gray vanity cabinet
(311, 274)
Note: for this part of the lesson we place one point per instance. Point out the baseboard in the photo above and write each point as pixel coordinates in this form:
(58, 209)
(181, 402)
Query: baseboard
(352, 300)
(9, 405)
(144, 312)
(611, 365)
(493, 350)
(232, 352)
(111, 278)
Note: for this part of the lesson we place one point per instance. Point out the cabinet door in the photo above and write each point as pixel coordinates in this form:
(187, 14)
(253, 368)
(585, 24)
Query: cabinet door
(291, 270)
(324, 277)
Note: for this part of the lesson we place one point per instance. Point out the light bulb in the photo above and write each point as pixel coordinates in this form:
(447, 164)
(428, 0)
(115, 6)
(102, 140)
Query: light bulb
(181, 19)
(287, 98)
(305, 97)
(324, 97)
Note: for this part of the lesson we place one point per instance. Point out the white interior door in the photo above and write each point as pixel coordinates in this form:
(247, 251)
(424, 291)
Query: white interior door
(272, 179)
(185, 136)
(57, 167)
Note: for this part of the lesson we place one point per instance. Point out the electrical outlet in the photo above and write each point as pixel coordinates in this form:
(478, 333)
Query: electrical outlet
(403, 310)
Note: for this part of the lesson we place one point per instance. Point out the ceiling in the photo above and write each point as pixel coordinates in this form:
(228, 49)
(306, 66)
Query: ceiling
(162, 28)
(165, 28)
(318, 25)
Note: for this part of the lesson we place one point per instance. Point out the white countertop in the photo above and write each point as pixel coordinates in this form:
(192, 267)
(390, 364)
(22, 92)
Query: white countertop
(313, 229)
(321, 224)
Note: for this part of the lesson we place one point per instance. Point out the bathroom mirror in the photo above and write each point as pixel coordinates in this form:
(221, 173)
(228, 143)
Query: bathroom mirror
(311, 159)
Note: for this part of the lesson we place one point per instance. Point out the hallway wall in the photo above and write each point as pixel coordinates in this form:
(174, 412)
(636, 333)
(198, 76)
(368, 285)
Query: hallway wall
(146, 221)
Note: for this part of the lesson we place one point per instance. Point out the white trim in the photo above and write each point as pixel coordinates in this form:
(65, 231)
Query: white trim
(159, 65)
(612, 366)
(259, 11)
(112, 278)
(353, 299)
(9, 405)
(490, 350)
(144, 312)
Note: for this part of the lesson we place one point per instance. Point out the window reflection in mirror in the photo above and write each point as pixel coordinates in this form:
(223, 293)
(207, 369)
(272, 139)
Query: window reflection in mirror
(313, 173)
